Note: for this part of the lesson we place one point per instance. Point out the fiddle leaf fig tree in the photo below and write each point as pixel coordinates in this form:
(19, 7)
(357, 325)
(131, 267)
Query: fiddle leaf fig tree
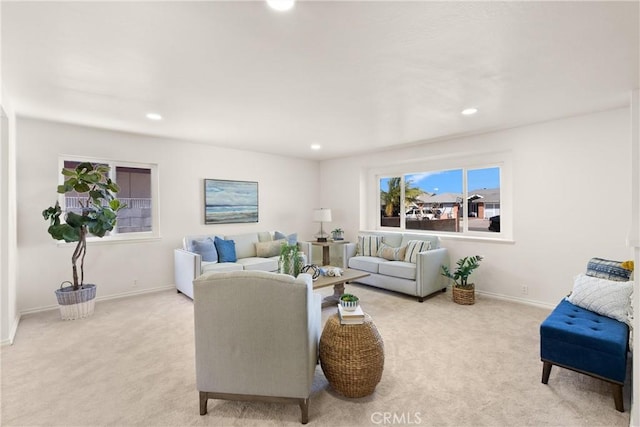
(99, 208)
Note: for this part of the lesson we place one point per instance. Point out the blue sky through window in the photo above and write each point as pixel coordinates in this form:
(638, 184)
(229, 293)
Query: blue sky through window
(450, 181)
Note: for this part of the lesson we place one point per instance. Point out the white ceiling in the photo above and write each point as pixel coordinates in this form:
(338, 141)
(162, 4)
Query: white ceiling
(350, 76)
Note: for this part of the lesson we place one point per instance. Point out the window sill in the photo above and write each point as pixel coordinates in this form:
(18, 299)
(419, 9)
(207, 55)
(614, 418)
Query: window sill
(112, 240)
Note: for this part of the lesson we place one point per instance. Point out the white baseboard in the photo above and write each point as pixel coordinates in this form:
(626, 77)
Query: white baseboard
(518, 300)
(12, 332)
(105, 298)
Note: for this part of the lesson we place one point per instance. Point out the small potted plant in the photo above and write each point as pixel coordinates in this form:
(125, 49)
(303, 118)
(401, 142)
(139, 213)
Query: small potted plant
(338, 234)
(349, 301)
(463, 291)
(97, 216)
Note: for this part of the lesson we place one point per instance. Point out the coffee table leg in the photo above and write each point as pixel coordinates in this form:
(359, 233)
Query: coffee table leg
(332, 300)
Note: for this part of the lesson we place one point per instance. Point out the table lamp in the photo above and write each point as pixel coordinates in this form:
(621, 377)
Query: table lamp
(322, 215)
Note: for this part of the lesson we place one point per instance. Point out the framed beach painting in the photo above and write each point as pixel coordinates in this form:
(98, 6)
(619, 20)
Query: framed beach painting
(230, 201)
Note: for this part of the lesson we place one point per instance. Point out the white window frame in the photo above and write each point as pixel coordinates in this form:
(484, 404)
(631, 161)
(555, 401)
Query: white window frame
(113, 237)
(470, 161)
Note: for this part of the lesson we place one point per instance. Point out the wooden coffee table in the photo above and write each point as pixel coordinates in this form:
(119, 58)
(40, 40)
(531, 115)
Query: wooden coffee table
(338, 283)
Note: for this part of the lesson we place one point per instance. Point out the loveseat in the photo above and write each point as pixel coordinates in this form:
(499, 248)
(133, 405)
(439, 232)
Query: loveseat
(200, 254)
(409, 263)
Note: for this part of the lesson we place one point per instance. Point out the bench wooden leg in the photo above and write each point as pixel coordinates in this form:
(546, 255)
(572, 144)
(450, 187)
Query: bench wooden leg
(546, 370)
(617, 397)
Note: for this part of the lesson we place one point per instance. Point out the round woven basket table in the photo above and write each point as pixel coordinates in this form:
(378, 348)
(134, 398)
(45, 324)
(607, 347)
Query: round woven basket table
(352, 356)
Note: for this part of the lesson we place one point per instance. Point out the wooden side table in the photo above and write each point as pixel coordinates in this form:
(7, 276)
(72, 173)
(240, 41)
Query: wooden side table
(352, 356)
(326, 258)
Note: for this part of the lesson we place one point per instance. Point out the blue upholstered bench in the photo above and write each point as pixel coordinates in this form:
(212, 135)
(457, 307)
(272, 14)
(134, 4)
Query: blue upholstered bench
(583, 341)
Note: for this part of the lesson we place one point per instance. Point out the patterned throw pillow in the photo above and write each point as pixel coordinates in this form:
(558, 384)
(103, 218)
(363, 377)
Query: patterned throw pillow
(391, 253)
(606, 297)
(608, 269)
(414, 247)
(369, 245)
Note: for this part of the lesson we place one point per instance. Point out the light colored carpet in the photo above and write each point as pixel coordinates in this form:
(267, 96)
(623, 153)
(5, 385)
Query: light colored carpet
(132, 363)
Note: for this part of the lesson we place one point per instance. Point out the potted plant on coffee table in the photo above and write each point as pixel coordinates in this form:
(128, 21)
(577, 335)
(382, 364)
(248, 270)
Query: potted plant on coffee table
(463, 291)
(97, 215)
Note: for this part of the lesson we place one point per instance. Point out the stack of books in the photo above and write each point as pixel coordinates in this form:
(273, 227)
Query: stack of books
(354, 317)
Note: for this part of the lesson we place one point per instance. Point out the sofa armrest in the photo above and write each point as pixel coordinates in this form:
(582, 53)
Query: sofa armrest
(349, 250)
(187, 266)
(429, 265)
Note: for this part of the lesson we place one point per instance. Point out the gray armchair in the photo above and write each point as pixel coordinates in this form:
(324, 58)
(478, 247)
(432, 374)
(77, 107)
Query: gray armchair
(256, 337)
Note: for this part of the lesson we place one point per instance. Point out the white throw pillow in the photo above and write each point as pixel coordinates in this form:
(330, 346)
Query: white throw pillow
(606, 297)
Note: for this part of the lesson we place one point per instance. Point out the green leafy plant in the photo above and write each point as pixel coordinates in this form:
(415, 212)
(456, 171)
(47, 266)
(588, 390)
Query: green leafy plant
(291, 261)
(461, 274)
(98, 216)
(349, 298)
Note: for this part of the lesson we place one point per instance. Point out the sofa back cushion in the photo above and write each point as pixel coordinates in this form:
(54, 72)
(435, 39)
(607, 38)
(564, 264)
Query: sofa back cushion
(245, 244)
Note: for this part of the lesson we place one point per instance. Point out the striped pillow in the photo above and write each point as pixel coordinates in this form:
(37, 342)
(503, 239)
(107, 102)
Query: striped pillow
(608, 269)
(369, 245)
(414, 247)
(391, 253)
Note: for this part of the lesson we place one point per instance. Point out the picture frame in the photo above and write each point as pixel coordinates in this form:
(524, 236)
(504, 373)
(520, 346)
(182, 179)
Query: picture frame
(227, 201)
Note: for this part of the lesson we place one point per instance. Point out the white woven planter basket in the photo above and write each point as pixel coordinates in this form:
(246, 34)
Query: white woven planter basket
(76, 304)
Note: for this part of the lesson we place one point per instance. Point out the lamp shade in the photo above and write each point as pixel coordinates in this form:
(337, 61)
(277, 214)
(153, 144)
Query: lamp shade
(322, 215)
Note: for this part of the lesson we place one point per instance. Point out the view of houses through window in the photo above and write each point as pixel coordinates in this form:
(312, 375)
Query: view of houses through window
(456, 200)
(135, 193)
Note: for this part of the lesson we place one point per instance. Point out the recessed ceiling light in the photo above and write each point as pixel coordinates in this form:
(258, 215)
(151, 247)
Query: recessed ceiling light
(154, 116)
(281, 5)
(469, 111)
(316, 146)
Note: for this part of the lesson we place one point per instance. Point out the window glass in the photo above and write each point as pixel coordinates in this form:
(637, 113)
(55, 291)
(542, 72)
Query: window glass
(484, 199)
(390, 196)
(433, 201)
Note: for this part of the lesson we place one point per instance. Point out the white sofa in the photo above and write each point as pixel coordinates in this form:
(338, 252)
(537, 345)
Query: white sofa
(258, 251)
(420, 278)
(256, 337)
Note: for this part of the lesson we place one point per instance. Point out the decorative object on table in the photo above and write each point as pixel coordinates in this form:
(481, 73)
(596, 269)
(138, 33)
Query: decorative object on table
(322, 215)
(351, 317)
(338, 234)
(230, 201)
(463, 291)
(352, 356)
(349, 302)
(97, 216)
(291, 260)
(311, 269)
(331, 271)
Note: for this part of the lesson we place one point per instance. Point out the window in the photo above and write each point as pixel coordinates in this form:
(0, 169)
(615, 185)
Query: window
(456, 201)
(137, 184)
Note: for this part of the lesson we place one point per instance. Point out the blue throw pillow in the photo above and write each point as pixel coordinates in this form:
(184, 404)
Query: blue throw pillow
(226, 250)
(206, 248)
(291, 239)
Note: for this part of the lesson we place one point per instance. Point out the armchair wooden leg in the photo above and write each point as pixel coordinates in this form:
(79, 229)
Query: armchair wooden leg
(546, 370)
(203, 402)
(304, 408)
(617, 397)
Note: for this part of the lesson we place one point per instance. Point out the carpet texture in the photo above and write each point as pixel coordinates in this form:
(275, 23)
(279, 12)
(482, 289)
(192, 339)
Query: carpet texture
(132, 364)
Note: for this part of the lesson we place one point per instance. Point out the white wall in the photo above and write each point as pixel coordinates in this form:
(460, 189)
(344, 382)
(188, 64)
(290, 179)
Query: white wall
(287, 189)
(571, 184)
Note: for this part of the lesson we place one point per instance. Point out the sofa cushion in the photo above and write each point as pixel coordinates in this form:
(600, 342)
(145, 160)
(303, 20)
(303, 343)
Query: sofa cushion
(366, 263)
(217, 267)
(607, 269)
(269, 249)
(391, 253)
(245, 244)
(262, 264)
(414, 247)
(402, 269)
(368, 245)
(206, 248)
(226, 250)
(292, 239)
(606, 297)
(435, 241)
